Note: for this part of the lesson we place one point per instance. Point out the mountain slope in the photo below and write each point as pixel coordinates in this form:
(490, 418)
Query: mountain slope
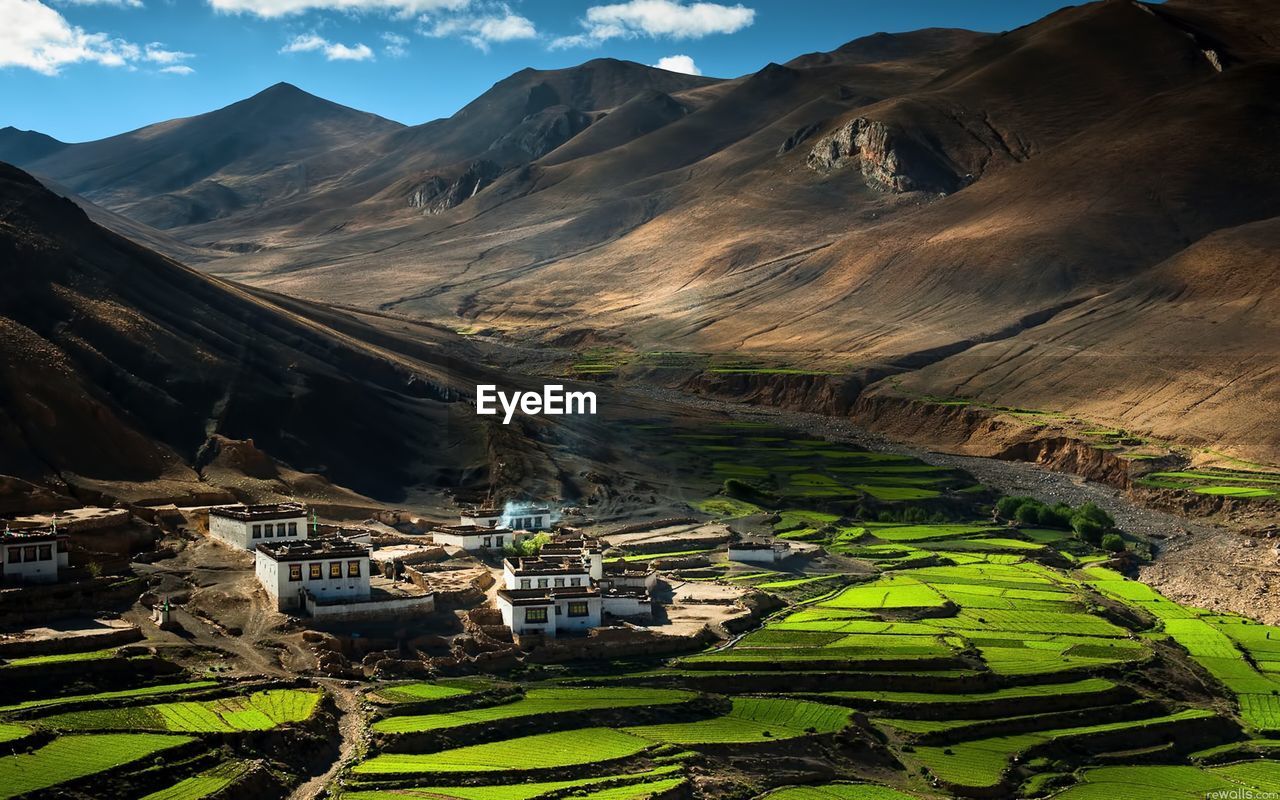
(118, 366)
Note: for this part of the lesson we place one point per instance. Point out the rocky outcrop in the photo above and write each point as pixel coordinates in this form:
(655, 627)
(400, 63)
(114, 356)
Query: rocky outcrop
(889, 158)
(436, 195)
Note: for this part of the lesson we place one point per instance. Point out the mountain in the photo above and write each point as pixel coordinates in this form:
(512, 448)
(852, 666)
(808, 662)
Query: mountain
(931, 213)
(16, 145)
(286, 148)
(122, 373)
(279, 143)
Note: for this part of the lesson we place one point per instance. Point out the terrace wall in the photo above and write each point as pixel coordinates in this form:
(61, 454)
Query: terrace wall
(367, 609)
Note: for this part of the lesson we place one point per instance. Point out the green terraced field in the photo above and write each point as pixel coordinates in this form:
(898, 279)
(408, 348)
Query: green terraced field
(145, 691)
(201, 786)
(260, 711)
(541, 751)
(416, 692)
(895, 591)
(752, 719)
(537, 701)
(521, 791)
(981, 762)
(837, 791)
(63, 658)
(73, 757)
(10, 731)
(1176, 782)
(1083, 687)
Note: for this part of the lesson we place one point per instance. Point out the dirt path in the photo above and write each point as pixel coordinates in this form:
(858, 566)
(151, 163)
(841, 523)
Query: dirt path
(352, 730)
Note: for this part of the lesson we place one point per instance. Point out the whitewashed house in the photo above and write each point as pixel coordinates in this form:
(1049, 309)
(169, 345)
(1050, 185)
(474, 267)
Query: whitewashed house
(472, 537)
(550, 612)
(33, 556)
(565, 589)
(247, 527)
(759, 552)
(514, 517)
(591, 550)
(546, 572)
(324, 569)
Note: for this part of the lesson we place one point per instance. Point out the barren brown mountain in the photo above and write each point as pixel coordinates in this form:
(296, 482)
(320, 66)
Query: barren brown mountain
(1072, 216)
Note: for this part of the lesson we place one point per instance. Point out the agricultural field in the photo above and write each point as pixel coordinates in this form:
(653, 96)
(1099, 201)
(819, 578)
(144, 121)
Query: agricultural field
(752, 719)
(1242, 484)
(541, 751)
(71, 758)
(536, 702)
(523, 791)
(416, 692)
(259, 711)
(203, 785)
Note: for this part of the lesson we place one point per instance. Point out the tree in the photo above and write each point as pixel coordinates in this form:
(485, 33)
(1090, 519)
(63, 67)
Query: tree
(1113, 542)
(1028, 513)
(1007, 507)
(1088, 530)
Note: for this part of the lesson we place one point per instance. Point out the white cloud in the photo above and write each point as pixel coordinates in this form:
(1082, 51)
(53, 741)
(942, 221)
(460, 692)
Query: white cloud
(671, 19)
(36, 37)
(121, 3)
(333, 51)
(156, 54)
(178, 69)
(678, 63)
(500, 24)
(280, 8)
(396, 46)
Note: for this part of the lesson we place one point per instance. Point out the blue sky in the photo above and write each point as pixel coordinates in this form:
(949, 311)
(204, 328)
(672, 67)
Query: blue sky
(85, 69)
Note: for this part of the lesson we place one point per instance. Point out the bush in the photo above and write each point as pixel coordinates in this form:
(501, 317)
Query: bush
(1093, 513)
(527, 547)
(1007, 507)
(1113, 542)
(1028, 513)
(1088, 530)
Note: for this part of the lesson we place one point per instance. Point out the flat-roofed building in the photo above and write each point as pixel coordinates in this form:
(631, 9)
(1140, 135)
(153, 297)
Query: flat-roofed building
(759, 552)
(592, 550)
(550, 612)
(328, 570)
(472, 537)
(247, 526)
(514, 517)
(546, 572)
(33, 556)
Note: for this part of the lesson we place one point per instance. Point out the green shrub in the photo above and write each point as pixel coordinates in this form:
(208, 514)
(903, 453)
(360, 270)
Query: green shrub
(1113, 542)
(1088, 530)
(527, 547)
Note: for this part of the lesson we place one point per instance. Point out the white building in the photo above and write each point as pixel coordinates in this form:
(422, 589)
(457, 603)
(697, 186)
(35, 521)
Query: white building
(550, 612)
(33, 556)
(591, 550)
(546, 572)
(759, 552)
(327, 570)
(566, 589)
(472, 537)
(520, 519)
(247, 527)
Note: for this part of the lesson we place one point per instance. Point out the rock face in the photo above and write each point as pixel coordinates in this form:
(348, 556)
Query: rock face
(890, 160)
(437, 195)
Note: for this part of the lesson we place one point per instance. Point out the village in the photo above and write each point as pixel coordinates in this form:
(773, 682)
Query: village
(491, 585)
